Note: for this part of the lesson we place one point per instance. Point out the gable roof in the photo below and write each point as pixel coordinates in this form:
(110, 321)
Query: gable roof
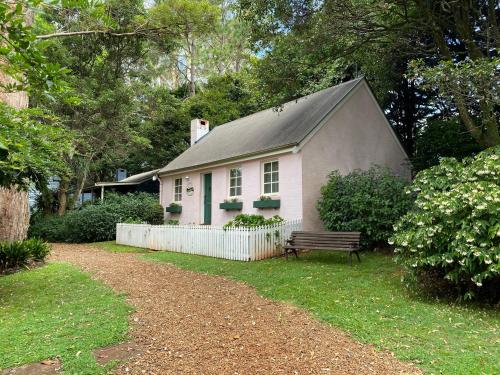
(263, 131)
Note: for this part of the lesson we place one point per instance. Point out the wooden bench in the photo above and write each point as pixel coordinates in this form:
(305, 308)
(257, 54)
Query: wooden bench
(337, 241)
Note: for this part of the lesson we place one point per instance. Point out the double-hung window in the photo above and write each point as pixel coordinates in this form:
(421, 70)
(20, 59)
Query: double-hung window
(271, 177)
(178, 190)
(235, 182)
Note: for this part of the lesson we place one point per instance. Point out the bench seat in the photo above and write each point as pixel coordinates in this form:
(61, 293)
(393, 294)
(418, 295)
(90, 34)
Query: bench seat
(336, 241)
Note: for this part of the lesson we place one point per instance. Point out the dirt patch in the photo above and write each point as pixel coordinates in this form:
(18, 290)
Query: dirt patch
(47, 367)
(191, 323)
(118, 352)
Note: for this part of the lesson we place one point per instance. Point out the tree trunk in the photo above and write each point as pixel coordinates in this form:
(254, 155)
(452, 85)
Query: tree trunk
(14, 208)
(192, 69)
(63, 196)
(14, 214)
(80, 182)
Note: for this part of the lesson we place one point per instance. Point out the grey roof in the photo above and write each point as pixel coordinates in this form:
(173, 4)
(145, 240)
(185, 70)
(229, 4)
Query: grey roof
(131, 180)
(263, 131)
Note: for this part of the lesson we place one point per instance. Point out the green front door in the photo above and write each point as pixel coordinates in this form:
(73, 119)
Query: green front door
(207, 198)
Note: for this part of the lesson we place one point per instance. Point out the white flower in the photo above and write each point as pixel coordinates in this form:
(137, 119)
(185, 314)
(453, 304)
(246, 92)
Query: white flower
(391, 242)
(449, 260)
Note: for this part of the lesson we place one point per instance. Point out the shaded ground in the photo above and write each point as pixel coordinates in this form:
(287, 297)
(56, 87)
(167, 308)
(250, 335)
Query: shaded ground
(190, 323)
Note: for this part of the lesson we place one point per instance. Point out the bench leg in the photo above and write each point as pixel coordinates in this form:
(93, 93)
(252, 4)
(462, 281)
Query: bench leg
(357, 255)
(296, 253)
(350, 258)
(286, 254)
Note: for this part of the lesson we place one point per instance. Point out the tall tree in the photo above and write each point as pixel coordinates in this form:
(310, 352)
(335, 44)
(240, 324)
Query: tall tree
(27, 151)
(189, 21)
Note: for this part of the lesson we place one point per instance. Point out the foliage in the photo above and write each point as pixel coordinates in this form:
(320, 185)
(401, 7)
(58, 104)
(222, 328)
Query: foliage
(471, 84)
(34, 145)
(171, 222)
(67, 314)
(225, 98)
(21, 58)
(249, 221)
(19, 253)
(454, 229)
(97, 221)
(442, 138)
(367, 301)
(369, 202)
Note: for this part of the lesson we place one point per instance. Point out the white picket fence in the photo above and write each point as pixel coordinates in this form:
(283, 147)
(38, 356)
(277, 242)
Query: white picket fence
(231, 243)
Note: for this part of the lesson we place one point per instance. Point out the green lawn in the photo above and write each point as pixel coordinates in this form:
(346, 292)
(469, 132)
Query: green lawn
(368, 301)
(58, 311)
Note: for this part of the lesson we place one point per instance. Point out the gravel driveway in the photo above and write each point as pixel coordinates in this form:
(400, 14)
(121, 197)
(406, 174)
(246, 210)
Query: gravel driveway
(191, 323)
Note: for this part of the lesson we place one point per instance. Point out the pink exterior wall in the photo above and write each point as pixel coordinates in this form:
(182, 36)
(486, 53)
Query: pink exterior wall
(355, 137)
(290, 194)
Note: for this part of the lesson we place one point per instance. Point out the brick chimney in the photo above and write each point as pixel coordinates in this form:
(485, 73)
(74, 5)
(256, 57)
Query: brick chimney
(199, 128)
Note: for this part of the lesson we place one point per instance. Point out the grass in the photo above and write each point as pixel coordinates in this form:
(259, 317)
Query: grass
(112, 247)
(368, 301)
(58, 311)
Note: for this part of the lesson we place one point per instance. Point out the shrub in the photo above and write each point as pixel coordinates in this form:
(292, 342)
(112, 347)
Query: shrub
(97, 221)
(20, 253)
(247, 220)
(369, 202)
(39, 249)
(453, 232)
(50, 228)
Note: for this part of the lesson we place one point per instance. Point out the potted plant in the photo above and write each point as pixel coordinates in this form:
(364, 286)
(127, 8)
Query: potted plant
(174, 208)
(266, 201)
(231, 205)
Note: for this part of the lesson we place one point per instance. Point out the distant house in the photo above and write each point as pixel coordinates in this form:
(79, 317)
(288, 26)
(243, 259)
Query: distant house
(274, 162)
(142, 182)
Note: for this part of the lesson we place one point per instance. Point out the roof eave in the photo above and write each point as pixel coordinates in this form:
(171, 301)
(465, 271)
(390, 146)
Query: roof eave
(240, 158)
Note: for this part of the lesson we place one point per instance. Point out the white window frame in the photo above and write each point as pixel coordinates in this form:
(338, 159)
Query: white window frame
(175, 193)
(262, 177)
(229, 178)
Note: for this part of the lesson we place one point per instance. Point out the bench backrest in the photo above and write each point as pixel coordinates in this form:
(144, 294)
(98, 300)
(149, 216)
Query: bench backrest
(326, 240)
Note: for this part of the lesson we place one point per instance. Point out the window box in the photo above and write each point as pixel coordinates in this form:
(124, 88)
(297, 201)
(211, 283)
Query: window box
(231, 206)
(267, 203)
(174, 209)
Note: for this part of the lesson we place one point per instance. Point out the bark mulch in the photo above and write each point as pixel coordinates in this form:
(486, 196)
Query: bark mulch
(191, 323)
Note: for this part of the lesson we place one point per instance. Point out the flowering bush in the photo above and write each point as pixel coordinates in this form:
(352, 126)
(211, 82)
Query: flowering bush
(454, 229)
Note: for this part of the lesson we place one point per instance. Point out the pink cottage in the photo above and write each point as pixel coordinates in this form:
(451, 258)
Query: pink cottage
(275, 162)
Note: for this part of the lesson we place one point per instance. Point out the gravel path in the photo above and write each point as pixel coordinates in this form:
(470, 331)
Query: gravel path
(191, 323)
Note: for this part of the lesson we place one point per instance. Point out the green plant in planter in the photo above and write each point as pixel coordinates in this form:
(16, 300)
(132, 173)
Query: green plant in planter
(266, 201)
(174, 208)
(231, 204)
